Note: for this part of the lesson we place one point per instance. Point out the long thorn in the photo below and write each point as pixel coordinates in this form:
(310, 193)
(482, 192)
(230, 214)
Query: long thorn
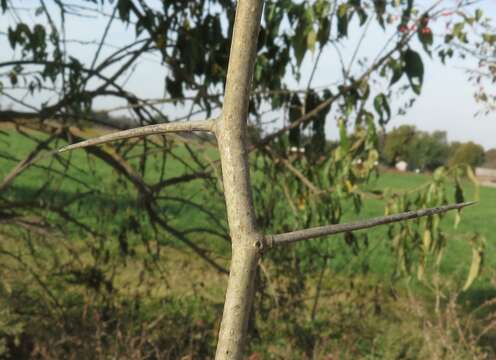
(290, 237)
(203, 125)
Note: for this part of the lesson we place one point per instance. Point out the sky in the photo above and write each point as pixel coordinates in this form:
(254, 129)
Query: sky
(446, 102)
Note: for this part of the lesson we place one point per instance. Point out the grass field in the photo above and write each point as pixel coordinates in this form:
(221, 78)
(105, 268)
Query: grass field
(185, 295)
(478, 218)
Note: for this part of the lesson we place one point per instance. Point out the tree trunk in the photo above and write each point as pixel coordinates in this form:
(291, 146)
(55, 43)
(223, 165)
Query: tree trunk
(231, 136)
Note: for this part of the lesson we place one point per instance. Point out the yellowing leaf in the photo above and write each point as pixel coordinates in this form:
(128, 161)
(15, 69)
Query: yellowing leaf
(473, 178)
(457, 219)
(311, 40)
(477, 258)
(349, 186)
(301, 203)
(421, 269)
(474, 268)
(427, 240)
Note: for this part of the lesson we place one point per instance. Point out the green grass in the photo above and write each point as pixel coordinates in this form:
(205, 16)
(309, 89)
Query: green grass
(356, 311)
(108, 198)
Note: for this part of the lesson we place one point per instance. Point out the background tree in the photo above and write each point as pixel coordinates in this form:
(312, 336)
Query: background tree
(432, 150)
(468, 154)
(490, 159)
(420, 149)
(399, 143)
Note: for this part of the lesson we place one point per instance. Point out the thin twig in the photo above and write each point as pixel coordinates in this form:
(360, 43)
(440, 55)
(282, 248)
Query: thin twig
(290, 237)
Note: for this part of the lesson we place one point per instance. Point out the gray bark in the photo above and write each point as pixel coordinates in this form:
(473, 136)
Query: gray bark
(231, 135)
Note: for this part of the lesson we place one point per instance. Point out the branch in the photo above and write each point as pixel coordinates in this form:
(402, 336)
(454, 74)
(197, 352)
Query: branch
(290, 237)
(203, 125)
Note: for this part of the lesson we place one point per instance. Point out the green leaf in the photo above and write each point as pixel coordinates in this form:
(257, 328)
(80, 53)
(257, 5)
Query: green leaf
(380, 10)
(489, 38)
(300, 39)
(398, 71)
(13, 78)
(324, 31)
(124, 7)
(478, 14)
(12, 36)
(407, 12)
(295, 112)
(458, 30)
(342, 15)
(312, 100)
(174, 87)
(343, 136)
(381, 105)
(414, 69)
(426, 38)
(459, 198)
(322, 8)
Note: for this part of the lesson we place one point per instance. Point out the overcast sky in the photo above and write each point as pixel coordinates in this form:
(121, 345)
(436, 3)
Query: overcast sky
(446, 102)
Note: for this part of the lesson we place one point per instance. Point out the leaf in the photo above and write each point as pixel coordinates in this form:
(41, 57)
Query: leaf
(398, 71)
(478, 14)
(489, 38)
(322, 8)
(427, 240)
(342, 15)
(421, 268)
(299, 43)
(439, 174)
(457, 220)
(426, 38)
(311, 40)
(358, 9)
(362, 15)
(343, 136)
(124, 7)
(459, 198)
(458, 30)
(295, 112)
(473, 179)
(381, 105)
(312, 100)
(477, 260)
(380, 9)
(12, 36)
(324, 31)
(414, 69)
(13, 78)
(174, 87)
(407, 12)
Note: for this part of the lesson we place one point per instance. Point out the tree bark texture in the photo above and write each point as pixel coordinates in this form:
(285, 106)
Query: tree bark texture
(231, 136)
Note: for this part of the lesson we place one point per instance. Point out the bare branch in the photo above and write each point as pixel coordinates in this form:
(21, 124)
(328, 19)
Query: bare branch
(290, 237)
(202, 125)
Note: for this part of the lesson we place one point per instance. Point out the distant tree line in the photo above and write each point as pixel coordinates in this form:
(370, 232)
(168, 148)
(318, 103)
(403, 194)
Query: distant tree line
(427, 151)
